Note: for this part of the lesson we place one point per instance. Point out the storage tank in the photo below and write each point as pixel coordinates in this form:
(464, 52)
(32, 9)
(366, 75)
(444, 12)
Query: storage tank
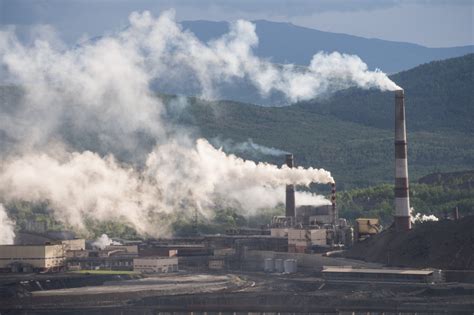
(269, 265)
(290, 265)
(279, 265)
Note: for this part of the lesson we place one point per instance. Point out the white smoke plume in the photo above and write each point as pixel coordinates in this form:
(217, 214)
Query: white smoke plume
(84, 185)
(7, 228)
(308, 199)
(88, 109)
(248, 146)
(420, 218)
(103, 241)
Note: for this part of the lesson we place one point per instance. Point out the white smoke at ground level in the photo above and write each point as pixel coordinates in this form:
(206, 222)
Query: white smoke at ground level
(420, 218)
(7, 228)
(103, 241)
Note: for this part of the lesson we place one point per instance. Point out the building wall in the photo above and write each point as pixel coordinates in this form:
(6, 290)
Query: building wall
(155, 265)
(254, 260)
(216, 264)
(75, 244)
(129, 249)
(224, 252)
(38, 256)
(279, 232)
(307, 237)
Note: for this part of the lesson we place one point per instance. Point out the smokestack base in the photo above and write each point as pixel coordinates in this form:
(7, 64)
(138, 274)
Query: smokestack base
(402, 223)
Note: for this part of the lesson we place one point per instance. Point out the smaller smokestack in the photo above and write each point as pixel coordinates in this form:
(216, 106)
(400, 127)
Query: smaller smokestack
(333, 203)
(455, 213)
(290, 191)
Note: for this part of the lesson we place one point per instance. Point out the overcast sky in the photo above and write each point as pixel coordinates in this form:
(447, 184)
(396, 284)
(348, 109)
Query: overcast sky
(433, 23)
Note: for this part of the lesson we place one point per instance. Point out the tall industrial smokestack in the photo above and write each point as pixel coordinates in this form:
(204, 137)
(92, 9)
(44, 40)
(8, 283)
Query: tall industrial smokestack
(402, 200)
(290, 191)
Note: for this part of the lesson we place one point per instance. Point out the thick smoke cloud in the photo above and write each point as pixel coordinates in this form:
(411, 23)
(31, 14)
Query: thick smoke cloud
(175, 178)
(88, 111)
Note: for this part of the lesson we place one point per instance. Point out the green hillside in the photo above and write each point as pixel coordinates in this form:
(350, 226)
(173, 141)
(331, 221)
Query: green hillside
(357, 155)
(434, 194)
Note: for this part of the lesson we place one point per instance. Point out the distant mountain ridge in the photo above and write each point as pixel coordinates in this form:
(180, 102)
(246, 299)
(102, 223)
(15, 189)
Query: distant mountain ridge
(288, 43)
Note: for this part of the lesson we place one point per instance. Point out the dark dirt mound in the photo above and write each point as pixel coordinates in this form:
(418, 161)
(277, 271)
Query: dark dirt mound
(444, 244)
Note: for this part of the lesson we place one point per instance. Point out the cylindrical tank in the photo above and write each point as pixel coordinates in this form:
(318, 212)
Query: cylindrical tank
(269, 265)
(290, 265)
(279, 265)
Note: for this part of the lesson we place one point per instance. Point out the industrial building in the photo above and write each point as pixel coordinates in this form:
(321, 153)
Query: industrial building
(311, 228)
(155, 264)
(74, 244)
(113, 257)
(32, 258)
(381, 275)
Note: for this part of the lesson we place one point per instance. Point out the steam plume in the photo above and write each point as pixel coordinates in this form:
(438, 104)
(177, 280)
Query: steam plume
(7, 228)
(248, 146)
(103, 241)
(175, 177)
(88, 135)
(420, 218)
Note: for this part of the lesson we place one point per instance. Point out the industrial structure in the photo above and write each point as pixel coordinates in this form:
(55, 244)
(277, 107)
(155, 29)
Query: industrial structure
(155, 264)
(32, 258)
(311, 228)
(112, 257)
(402, 200)
(290, 204)
(381, 275)
(366, 227)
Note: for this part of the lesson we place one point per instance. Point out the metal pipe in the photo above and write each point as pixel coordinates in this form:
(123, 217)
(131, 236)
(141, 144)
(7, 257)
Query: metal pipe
(402, 200)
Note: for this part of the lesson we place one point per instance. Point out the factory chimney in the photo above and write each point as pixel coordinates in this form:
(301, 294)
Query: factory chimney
(335, 215)
(290, 191)
(402, 200)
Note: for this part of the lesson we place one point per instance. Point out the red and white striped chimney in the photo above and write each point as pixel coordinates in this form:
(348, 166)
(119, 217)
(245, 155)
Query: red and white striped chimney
(402, 200)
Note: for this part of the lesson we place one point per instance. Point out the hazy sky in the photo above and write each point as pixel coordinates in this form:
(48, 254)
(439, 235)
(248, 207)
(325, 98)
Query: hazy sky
(433, 23)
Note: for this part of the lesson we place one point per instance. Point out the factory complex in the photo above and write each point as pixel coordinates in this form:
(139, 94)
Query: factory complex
(299, 238)
(241, 270)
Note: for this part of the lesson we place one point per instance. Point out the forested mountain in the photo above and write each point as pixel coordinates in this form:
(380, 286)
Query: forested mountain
(288, 43)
